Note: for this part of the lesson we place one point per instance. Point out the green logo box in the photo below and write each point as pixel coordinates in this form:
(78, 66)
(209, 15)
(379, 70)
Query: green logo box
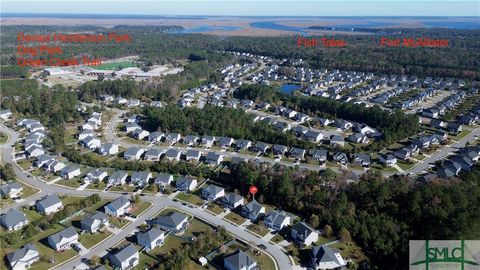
(444, 255)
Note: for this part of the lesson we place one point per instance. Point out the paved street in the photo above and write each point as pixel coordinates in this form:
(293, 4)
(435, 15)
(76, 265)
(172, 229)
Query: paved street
(159, 202)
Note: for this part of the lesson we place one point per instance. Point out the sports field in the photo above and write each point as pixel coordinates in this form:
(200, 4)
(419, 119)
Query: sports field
(114, 66)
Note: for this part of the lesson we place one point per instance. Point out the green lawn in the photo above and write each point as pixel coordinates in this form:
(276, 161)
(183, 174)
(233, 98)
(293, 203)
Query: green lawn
(350, 250)
(89, 240)
(277, 238)
(140, 208)
(215, 208)
(405, 166)
(99, 186)
(190, 198)
(124, 188)
(25, 164)
(3, 138)
(73, 183)
(235, 218)
(258, 229)
(461, 135)
(118, 222)
(114, 66)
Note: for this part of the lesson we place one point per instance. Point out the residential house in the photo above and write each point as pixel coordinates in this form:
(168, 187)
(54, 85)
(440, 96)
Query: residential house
(277, 220)
(208, 141)
(313, 136)
(253, 210)
(93, 223)
(225, 142)
(5, 114)
(343, 124)
(23, 257)
(118, 207)
(319, 155)
(133, 103)
(108, 149)
(239, 260)
(173, 154)
(155, 137)
(243, 144)
(151, 239)
(163, 179)
(96, 176)
(212, 192)
(454, 128)
(173, 221)
(297, 153)
(43, 159)
(118, 178)
(133, 153)
(140, 178)
(153, 154)
(190, 140)
(358, 138)
(324, 257)
(279, 149)
(34, 151)
(361, 160)
(186, 184)
(231, 201)
(337, 141)
(192, 155)
(126, 258)
(11, 190)
(130, 127)
(260, 147)
(173, 138)
(13, 220)
(63, 239)
(340, 157)
(213, 158)
(120, 100)
(388, 160)
(49, 204)
(304, 234)
(139, 134)
(70, 172)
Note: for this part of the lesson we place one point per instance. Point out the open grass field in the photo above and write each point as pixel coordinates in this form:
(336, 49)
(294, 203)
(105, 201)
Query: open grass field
(114, 66)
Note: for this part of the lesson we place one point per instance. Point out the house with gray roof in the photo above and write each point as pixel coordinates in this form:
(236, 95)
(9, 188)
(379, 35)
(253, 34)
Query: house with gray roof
(304, 234)
(260, 147)
(297, 153)
(190, 140)
(276, 220)
(173, 221)
(151, 239)
(118, 207)
(140, 178)
(388, 160)
(117, 178)
(49, 204)
(239, 260)
(225, 142)
(324, 257)
(361, 159)
(13, 220)
(186, 184)
(212, 192)
(253, 210)
(96, 175)
(337, 140)
(23, 257)
(108, 149)
(155, 136)
(133, 153)
(63, 239)
(242, 144)
(173, 154)
(173, 138)
(192, 154)
(94, 222)
(231, 201)
(69, 172)
(126, 258)
(279, 149)
(213, 158)
(163, 179)
(320, 155)
(208, 141)
(313, 136)
(153, 154)
(11, 190)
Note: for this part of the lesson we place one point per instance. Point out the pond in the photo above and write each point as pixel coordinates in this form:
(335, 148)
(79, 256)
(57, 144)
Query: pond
(289, 88)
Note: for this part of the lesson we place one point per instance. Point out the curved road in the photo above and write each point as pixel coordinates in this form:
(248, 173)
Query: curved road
(158, 203)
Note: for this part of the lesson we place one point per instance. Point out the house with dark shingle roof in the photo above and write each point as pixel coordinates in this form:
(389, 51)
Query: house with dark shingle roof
(239, 260)
(49, 204)
(118, 207)
(94, 222)
(23, 257)
(173, 221)
(63, 239)
(212, 192)
(186, 184)
(277, 220)
(253, 210)
(126, 258)
(151, 239)
(231, 201)
(324, 257)
(302, 233)
(11, 190)
(13, 220)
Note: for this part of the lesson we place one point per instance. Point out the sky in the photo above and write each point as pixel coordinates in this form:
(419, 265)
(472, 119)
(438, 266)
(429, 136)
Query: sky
(249, 7)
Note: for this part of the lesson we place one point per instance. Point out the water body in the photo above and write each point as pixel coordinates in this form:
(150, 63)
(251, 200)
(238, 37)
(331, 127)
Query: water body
(275, 26)
(454, 25)
(289, 88)
(206, 28)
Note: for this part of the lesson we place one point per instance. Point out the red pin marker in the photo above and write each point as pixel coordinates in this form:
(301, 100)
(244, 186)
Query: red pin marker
(253, 190)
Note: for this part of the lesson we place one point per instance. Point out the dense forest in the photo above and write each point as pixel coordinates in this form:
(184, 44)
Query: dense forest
(364, 53)
(216, 121)
(393, 125)
(380, 214)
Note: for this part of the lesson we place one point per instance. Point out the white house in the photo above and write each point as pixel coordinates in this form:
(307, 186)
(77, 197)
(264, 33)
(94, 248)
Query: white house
(5, 114)
(118, 207)
(212, 192)
(173, 221)
(276, 220)
(108, 149)
(151, 239)
(49, 204)
(164, 179)
(118, 178)
(186, 184)
(23, 257)
(96, 176)
(69, 172)
(127, 258)
(12, 190)
(93, 223)
(302, 233)
(133, 153)
(91, 142)
(63, 239)
(13, 220)
(324, 257)
(239, 260)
